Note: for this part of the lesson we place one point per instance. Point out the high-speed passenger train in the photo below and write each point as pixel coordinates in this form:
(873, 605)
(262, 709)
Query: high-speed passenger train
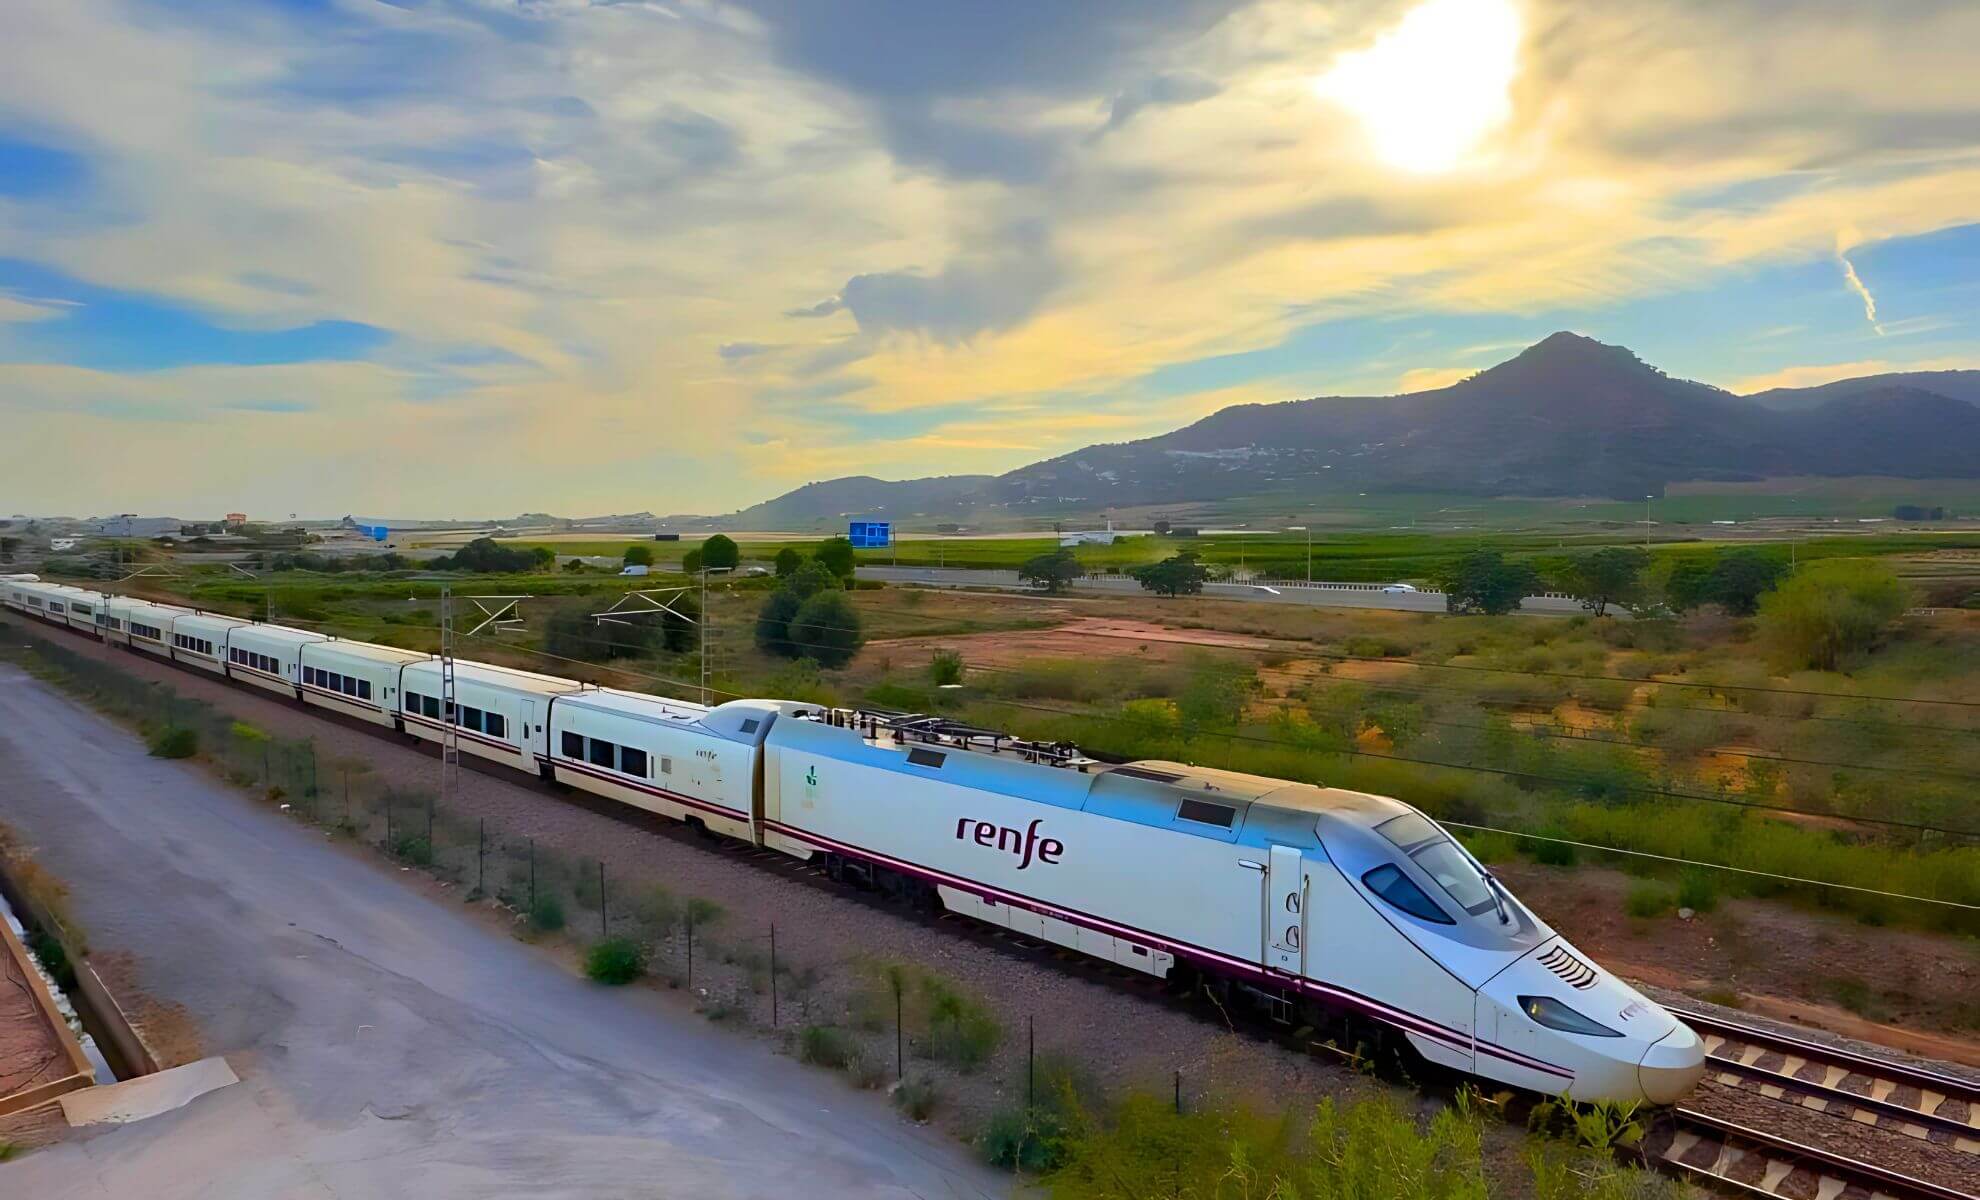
(1318, 901)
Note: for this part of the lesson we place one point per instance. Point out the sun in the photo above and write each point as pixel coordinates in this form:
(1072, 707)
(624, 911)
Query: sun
(1430, 90)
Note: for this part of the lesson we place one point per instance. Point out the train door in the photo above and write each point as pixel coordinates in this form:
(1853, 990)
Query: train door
(1285, 911)
(530, 738)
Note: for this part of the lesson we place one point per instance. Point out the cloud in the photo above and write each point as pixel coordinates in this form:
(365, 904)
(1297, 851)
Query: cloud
(1429, 379)
(738, 351)
(1817, 374)
(1844, 241)
(824, 308)
(1182, 87)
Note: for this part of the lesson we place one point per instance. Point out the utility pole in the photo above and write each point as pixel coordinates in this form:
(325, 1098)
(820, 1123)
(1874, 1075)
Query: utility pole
(450, 742)
(703, 625)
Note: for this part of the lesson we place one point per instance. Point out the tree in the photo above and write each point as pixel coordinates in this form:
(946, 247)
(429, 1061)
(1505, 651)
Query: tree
(638, 555)
(542, 558)
(7, 547)
(719, 553)
(945, 668)
(487, 556)
(691, 562)
(788, 561)
(1162, 528)
(837, 555)
(1739, 580)
(1610, 575)
(1180, 575)
(773, 620)
(574, 565)
(1688, 584)
(827, 629)
(1830, 610)
(573, 632)
(1054, 572)
(1484, 582)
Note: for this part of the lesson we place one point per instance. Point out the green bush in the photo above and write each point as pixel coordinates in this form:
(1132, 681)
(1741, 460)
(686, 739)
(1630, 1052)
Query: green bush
(945, 668)
(961, 1030)
(826, 1046)
(615, 961)
(1552, 854)
(1698, 890)
(547, 914)
(1649, 899)
(1033, 1140)
(1831, 610)
(413, 848)
(175, 741)
(917, 1098)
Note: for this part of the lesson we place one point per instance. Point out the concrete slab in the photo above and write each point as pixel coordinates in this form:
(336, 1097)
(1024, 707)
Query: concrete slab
(147, 1095)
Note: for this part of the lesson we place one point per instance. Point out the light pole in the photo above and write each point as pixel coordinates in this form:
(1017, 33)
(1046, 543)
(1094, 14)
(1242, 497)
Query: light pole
(1646, 521)
(1308, 531)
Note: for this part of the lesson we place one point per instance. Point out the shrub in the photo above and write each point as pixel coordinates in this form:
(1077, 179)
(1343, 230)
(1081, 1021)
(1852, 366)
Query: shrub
(413, 848)
(720, 552)
(639, 556)
(1649, 899)
(917, 1098)
(826, 1046)
(867, 1073)
(1053, 572)
(175, 741)
(572, 631)
(1024, 1139)
(1830, 610)
(1698, 889)
(836, 555)
(788, 561)
(945, 668)
(615, 961)
(827, 628)
(961, 1030)
(547, 914)
(1552, 854)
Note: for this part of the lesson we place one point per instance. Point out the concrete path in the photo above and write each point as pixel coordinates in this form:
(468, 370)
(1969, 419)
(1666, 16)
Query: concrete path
(1429, 602)
(389, 1044)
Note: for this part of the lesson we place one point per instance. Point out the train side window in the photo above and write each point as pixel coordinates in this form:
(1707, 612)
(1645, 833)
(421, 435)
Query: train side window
(350, 685)
(1205, 813)
(412, 702)
(1388, 882)
(632, 762)
(925, 758)
(573, 745)
(470, 718)
(604, 754)
(432, 707)
(364, 689)
(495, 725)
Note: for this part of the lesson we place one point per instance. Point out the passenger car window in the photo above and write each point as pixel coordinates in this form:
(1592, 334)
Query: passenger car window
(632, 762)
(1388, 882)
(573, 745)
(604, 754)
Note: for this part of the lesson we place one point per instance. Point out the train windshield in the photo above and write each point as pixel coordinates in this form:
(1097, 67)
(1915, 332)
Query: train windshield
(1432, 849)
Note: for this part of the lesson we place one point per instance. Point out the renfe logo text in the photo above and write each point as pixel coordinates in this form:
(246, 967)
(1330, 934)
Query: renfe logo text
(1024, 845)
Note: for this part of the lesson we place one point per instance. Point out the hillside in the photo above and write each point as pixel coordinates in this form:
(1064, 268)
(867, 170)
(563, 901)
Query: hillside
(1568, 416)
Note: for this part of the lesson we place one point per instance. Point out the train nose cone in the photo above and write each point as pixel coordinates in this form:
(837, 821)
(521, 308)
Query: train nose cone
(1672, 1066)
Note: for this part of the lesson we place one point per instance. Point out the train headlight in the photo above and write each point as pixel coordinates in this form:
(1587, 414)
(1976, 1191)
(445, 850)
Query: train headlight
(1546, 1010)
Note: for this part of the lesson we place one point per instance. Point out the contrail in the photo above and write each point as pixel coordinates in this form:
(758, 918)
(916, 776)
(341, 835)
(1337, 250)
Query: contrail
(1856, 284)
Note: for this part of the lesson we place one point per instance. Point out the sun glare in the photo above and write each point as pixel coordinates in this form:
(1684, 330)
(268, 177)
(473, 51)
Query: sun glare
(1430, 90)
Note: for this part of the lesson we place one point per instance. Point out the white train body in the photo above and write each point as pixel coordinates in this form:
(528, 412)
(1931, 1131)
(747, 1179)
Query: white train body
(357, 679)
(143, 625)
(1307, 896)
(502, 714)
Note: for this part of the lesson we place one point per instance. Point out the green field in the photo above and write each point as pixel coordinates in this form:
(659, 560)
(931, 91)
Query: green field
(1354, 557)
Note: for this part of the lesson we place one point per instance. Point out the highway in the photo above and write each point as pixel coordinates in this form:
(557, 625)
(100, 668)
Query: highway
(390, 1043)
(1314, 596)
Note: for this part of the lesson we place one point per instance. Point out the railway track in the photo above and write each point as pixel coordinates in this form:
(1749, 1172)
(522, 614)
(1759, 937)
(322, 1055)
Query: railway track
(1891, 1096)
(1894, 1097)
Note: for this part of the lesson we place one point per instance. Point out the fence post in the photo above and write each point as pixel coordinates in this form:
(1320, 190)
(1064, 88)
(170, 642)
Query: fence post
(391, 838)
(481, 858)
(900, 1055)
(1030, 1061)
(347, 791)
(602, 921)
(773, 974)
(690, 945)
(1179, 1091)
(532, 879)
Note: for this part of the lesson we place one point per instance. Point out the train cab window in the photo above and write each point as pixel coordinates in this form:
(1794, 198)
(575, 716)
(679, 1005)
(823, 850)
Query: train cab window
(1388, 882)
(632, 762)
(925, 758)
(1431, 849)
(1205, 813)
(750, 726)
(573, 745)
(495, 725)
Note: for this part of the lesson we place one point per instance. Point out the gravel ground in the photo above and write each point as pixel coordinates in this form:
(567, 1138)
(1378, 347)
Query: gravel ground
(1837, 1133)
(1121, 1038)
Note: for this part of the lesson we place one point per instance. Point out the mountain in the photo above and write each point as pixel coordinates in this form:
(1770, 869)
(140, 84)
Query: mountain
(862, 496)
(1959, 385)
(1568, 416)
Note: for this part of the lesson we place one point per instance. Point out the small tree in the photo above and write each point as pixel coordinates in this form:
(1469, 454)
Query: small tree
(542, 558)
(788, 561)
(1180, 575)
(773, 621)
(827, 628)
(1610, 575)
(573, 565)
(1162, 528)
(719, 553)
(638, 555)
(1688, 584)
(837, 555)
(1831, 610)
(945, 668)
(1484, 582)
(1053, 572)
(1739, 580)
(573, 632)
(691, 562)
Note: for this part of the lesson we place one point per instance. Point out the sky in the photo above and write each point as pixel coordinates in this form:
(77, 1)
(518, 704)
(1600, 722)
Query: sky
(470, 257)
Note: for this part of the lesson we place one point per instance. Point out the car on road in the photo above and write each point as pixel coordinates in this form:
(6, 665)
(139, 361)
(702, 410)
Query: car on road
(1397, 589)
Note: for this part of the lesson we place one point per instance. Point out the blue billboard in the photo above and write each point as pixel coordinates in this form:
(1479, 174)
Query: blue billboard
(870, 535)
